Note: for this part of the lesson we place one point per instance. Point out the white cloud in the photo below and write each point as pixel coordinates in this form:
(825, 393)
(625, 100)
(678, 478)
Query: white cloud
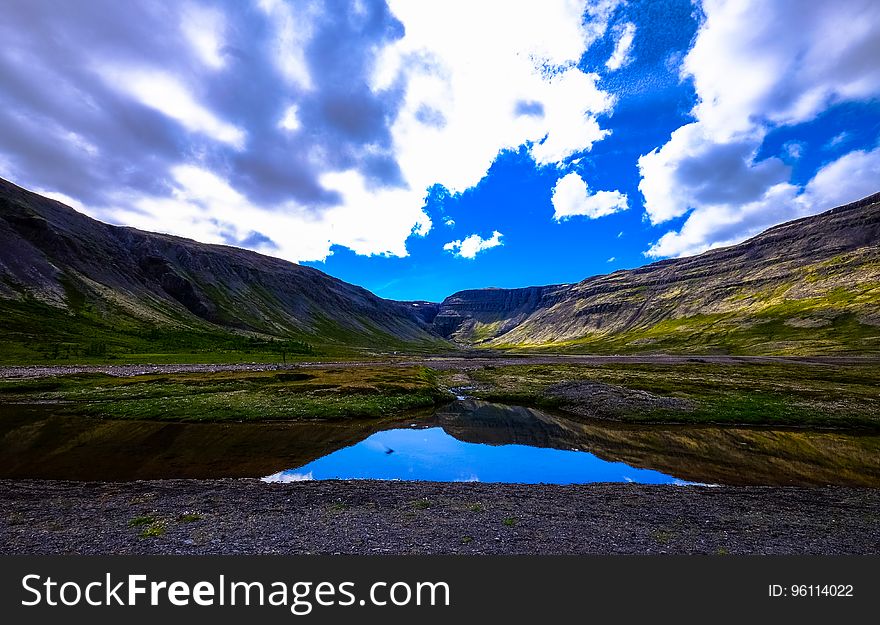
(783, 62)
(571, 102)
(207, 208)
(622, 47)
(308, 127)
(205, 30)
(473, 245)
(284, 477)
(292, 32)
(290, 120)
(756, 65)
(838, 139)
(473, 65)
(794, 149)
(572, 197)
(611, 260)
(692, 170)
(167, 94)
(849, 178)
(466, 75)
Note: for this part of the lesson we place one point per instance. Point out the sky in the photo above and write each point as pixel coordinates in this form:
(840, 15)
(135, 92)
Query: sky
(421, 148)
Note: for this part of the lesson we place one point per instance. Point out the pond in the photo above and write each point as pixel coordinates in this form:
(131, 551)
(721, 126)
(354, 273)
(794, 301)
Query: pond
(431, 454)
(466, 440)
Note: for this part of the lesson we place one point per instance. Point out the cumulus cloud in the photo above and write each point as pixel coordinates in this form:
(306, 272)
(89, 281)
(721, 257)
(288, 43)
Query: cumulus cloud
(489, 76)
(622, 47)
(794, 149)
(758, 65)
(473, 245)
(572, 197)
(849, 178)
(309, 125)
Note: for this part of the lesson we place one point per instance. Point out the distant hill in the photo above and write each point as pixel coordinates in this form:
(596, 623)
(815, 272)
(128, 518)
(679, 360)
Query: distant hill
(810, 286)
(73, 287)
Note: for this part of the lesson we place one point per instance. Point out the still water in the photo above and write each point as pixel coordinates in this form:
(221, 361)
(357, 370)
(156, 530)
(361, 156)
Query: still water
(466, 440)
(433, 455)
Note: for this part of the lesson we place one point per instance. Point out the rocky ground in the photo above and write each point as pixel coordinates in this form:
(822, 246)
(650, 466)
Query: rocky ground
(249, 516)
(443, 363)
(597, 400)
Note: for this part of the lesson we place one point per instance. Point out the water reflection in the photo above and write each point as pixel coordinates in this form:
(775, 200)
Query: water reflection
(433, 455)
(467, 439)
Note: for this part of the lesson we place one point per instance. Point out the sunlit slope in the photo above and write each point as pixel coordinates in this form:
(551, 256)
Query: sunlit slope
(810, 286)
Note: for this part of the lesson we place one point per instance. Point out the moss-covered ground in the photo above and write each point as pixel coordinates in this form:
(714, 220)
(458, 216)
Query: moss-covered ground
(319, 394)
(746, 392)
(782, 393)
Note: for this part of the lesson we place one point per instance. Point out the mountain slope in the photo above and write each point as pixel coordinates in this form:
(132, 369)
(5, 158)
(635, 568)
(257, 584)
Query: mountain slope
(807, 286)
(66, 278)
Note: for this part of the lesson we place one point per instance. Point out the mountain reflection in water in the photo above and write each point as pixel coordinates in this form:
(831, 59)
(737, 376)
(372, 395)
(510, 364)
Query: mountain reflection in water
(464, 440)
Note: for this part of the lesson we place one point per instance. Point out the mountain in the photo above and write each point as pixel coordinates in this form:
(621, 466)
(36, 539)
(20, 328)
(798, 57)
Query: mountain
(810, 286)
(69, 282)
(73, 287)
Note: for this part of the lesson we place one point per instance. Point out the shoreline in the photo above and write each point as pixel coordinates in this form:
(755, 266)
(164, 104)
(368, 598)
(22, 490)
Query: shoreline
(247, 516)
(464, 363)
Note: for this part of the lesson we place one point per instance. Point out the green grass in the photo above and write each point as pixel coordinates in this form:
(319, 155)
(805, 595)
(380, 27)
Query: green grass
(138, 521)
(156, 530)
(759, 323)
(764, 334)
(759, 393)
(840, 395)
(34, 333)
(325, 394)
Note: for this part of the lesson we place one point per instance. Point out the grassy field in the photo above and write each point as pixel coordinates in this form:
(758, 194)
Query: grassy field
(691, 391)
(319, 394)
(35, 334)
(743, 393)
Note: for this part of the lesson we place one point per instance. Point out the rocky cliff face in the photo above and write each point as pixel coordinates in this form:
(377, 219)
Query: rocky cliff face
(809, 285)
(482, 313)
(53, 256)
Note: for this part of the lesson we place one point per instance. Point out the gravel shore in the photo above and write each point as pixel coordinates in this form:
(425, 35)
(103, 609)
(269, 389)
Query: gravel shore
(437, 362)
(249, 516)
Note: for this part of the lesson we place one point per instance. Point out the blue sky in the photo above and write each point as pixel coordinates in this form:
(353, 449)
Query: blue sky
(422, 148)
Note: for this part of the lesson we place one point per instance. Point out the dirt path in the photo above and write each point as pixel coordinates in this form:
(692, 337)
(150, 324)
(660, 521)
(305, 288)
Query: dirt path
(248, 516)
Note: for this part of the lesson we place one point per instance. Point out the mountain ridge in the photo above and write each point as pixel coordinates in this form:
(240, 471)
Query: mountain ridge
(811, 285)
(824, 268)
(55, 258)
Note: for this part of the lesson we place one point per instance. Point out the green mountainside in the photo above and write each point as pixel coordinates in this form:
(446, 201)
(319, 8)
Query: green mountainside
(810, 286)
(73, 288)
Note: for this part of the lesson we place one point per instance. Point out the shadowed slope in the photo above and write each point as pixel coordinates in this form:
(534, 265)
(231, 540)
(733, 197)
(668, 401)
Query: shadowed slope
(65, 277)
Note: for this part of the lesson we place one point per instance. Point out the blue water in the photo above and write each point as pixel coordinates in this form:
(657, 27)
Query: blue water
(433, 455)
